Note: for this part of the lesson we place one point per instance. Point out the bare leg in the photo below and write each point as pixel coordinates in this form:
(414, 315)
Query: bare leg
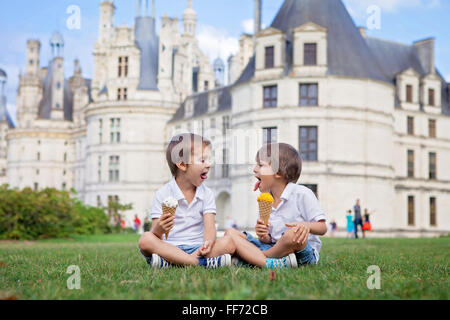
(149, 243)
(222, 246)
(284, 246)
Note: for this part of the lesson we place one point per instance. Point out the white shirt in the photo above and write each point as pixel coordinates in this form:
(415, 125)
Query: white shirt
(298, 204)
(188, 225)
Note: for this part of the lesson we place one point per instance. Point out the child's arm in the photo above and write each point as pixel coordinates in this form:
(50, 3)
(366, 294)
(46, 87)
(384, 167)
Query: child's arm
(262, 231)
(209, 235)
(302, 229)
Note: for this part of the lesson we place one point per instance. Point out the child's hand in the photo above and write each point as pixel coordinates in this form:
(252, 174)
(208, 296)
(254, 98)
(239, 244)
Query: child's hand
(262, 231)
(301, 232)
(166, 222)
(205, 249)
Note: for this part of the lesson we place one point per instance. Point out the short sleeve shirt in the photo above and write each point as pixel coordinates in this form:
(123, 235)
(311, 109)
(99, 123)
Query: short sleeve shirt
(188, 226)
(298, 204)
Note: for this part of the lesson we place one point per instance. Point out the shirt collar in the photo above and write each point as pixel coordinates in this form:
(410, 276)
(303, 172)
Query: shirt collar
(178, 194)
(287, 191)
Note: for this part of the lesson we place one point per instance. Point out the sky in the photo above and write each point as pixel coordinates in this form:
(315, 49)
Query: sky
(220, 24)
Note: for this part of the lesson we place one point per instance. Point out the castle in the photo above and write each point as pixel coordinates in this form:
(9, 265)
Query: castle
(369, 116)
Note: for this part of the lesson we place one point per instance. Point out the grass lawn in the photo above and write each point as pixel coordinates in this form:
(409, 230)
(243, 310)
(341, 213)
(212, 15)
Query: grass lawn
(112, 268)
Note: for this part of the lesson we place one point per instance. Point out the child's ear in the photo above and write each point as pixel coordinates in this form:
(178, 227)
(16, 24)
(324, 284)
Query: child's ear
(182, 166)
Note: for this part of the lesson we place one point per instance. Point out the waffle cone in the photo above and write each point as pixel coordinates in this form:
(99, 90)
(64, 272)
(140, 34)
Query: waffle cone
(167, 210)
(265, 208)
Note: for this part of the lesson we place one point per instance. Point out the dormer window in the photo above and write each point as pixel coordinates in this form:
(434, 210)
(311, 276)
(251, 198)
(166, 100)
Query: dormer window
(213, 101)
(431, 101)
(409, 93)
(189, 108)
(310, 54)
(269, 57)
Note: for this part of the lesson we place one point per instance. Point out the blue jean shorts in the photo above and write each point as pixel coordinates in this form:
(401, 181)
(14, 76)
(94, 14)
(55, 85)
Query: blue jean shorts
(304, 257)
(186, 248)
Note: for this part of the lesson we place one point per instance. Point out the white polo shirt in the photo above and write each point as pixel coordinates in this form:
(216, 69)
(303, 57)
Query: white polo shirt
(188, 225)
(298, 204)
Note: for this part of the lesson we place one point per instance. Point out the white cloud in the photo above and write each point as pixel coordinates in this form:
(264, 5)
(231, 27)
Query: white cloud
(248, 25)
(216, 42)
(359, 6)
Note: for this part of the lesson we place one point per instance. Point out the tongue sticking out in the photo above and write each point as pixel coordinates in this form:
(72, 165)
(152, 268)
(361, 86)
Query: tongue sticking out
(257, 185)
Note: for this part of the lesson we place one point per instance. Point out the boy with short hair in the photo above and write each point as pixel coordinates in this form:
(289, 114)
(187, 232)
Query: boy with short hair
(291, 238)
(192, 232)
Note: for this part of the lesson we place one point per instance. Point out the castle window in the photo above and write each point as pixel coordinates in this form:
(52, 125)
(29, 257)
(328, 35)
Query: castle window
(410, 163)
(206, 85)
(270, 135)
(432, 128)
(225, 124)
(114, 164)
(64, 186)
(310, 54)
(36, 186)
(433, 212)
(65, 156)
(38, 156)
(123, 67)
(225, 166)
(409, 93)
(431, 101)
(99, 202)
(100, 131)
(410, 123)
(269, 57)
(115, 130)
(410, 211)
(270, 96)
(309, 94)
(99, 169)
(432, 166)
(308, 143)
(119, 94)
(31, 62)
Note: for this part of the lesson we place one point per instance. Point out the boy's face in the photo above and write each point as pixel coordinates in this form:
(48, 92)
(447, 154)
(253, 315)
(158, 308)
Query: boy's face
(197, 170)
(265, 175)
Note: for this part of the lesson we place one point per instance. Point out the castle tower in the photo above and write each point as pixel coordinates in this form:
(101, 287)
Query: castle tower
(30, 88)
(57, 83)
(219, 72)
(106, 27)
(189, 20)
(33, 57)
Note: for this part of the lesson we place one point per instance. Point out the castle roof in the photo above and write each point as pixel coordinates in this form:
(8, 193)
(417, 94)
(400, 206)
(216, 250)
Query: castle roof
(148, 43)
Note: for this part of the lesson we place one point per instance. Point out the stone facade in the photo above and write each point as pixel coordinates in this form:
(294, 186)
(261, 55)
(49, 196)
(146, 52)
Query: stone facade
(368, 126)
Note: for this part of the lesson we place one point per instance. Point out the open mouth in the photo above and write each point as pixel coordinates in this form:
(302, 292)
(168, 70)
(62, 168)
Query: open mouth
(257, 184)
(204, 176)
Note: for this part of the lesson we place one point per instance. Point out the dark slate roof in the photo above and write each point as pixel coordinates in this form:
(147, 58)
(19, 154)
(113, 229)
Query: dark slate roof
(348, 53)
(148, 43)
(394, 57)
(201, 103)
(4, 113)
(3, 73)
(45, 105)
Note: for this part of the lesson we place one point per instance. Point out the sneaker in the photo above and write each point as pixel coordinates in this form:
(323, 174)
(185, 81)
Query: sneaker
(218, 262)
(289, 261)
(158, 262)
(236, 262)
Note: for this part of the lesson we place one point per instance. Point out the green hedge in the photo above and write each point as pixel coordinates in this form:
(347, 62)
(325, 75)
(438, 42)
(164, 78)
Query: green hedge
(27, 215)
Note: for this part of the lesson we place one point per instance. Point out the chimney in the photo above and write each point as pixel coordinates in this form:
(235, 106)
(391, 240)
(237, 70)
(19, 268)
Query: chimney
(257, 21)
(425, 51)
(363, 30)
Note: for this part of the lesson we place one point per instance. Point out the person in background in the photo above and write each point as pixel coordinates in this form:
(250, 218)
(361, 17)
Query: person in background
(358, 219)
(147, 224)
(350, 224)
(367, 226)
(333, 228)
(137, 222)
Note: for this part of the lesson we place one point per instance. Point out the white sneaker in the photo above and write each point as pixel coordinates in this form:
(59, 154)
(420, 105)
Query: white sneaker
(218, 262)
(158, 262)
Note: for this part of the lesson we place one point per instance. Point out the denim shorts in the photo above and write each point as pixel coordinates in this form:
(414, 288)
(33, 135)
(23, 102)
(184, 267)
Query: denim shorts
(304, 257)
(189, 249)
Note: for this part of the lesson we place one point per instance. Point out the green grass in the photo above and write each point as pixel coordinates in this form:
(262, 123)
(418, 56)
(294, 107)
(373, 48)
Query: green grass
(112, 268)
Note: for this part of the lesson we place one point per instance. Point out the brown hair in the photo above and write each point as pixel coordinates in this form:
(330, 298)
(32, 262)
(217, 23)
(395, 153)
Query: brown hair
(283, 159)
(176, 151)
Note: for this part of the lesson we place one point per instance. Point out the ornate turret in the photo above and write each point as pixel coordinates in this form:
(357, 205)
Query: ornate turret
(189, 20)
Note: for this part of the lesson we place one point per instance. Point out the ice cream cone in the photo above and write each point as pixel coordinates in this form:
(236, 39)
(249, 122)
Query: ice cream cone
(265, 201)
(167, 210)
(265, 208)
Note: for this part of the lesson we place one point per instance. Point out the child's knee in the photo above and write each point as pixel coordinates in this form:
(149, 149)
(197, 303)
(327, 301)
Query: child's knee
(147, 242)
(230, 246)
